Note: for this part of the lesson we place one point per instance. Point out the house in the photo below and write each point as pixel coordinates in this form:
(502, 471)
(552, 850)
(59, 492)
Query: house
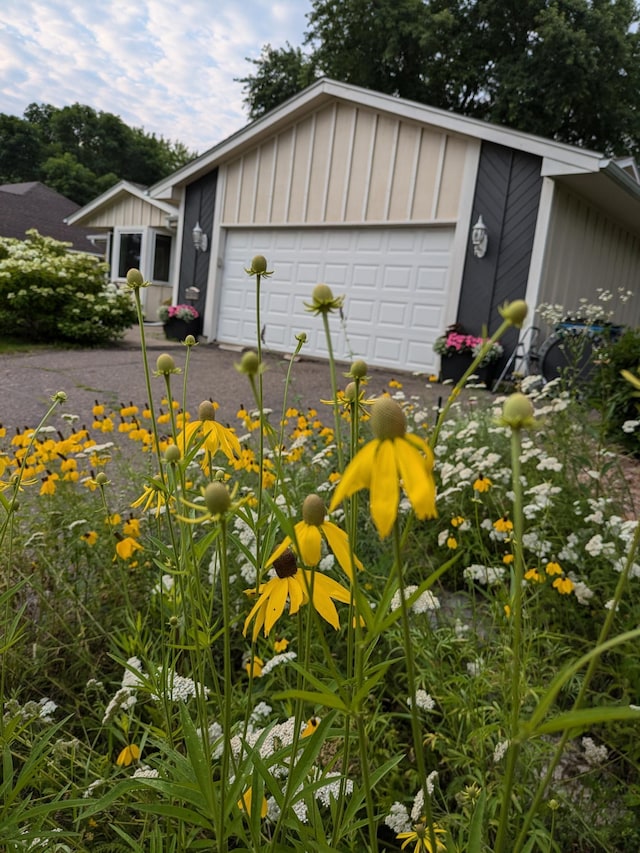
(136, 231)
(33, 205)
(383, 199)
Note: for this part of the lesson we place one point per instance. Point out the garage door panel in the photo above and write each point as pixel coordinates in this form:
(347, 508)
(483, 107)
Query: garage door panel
(361, 310)
(394, 283)
(393, 314)
(398, 278)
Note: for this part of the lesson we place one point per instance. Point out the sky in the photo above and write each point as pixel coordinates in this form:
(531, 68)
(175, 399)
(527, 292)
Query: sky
(167, 66)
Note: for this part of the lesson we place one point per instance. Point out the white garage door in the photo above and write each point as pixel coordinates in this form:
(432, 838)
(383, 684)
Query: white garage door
(394, 281)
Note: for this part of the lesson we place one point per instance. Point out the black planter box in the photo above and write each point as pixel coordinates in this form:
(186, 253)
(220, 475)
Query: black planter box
(454, 367)
(176, 329)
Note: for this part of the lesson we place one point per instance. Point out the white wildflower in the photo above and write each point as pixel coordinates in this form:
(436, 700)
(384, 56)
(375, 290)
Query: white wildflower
(145, 772)
(500, 751)
(398, 818)
(333, 789)
(276, 660)
(423, 700)
(47, 708)
(594, 754)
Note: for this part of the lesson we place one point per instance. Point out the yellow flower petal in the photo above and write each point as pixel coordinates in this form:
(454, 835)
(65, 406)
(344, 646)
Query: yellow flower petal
(297, 595)
(416, 479)
(324, 591)
(309, 543)
(275, 605)
(279, 551)
(385, 490)
(128, 755)
(357, 474)
(339, 544)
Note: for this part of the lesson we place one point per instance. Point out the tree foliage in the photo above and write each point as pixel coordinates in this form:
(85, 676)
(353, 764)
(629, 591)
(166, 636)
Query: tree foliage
(81, 152)
(565, 69)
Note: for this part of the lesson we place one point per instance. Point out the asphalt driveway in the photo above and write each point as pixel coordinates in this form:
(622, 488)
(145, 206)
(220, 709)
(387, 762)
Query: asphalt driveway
(114, 375)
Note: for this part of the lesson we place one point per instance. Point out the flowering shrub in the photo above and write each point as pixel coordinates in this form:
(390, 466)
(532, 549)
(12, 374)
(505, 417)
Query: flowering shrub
(457, 342)
(179, 312)
(50, 294)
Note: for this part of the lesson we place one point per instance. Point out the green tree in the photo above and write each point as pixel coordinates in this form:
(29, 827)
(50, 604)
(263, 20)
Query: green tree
(20, 151)
(65, 175)
(566, 69)
(281, 73)
(81, 152)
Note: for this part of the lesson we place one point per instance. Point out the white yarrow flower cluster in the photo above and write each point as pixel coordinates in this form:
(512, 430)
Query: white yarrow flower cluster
(398, 819)
(594, 754)
(425, 602)
(500, 751)
(488, 575)
(424, 701)
(277, 660)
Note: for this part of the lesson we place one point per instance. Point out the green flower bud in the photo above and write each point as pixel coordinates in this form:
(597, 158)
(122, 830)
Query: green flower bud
(258, 267)
(190, 341)
(172, 454)
(217, 498)
(134, 278)
(313, 510)
(359, 369)
(165, 364)
(249, 363)
(517, 411)
(206, 411)
(259, 264)
(102, 479)
(515, 312)
(387, 419)
(323, 301)
(351, 392)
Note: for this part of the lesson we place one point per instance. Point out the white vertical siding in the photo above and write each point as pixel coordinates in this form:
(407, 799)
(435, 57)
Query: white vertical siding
(343, 165)
(586, 250)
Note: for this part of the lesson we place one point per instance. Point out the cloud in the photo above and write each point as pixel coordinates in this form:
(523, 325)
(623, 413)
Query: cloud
(167, 67)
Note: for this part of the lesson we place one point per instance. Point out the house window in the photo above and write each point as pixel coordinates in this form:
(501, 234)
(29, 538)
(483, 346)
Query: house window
(130, 252)
(161, 257)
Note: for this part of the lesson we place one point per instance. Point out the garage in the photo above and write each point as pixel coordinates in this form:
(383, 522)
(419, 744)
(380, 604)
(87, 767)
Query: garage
(394, 281)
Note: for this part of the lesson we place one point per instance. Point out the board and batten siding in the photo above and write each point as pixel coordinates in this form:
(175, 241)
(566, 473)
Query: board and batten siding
(345, 165)
(129, 211)
(587, 250)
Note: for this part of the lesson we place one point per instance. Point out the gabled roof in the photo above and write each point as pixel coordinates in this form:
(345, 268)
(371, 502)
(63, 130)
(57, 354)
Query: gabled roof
(33, 205)
(114, 194)
(559, 158)
(600, 180)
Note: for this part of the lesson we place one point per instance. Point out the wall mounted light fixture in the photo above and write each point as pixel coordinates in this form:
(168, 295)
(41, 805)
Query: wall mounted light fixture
(200, 241)
(479, 238)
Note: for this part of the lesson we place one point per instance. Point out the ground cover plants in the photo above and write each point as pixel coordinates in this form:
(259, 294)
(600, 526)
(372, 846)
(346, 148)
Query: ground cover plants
(367, 626)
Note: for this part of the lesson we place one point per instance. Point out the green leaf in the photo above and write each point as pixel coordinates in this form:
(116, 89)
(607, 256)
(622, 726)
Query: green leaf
(477, 821)
(586, 718)
(330, 700)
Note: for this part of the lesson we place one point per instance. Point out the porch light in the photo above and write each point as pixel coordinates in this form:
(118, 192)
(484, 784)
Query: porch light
(479, 238)
(200, 241)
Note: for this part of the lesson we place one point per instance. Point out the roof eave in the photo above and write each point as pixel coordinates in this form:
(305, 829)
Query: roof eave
(567, 157)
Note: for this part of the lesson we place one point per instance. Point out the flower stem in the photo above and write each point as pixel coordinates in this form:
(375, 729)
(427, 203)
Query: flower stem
(416, 729)
(516, 638)
(455, 391)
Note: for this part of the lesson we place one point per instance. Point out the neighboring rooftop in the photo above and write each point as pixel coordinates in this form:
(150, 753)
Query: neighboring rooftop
(34, 205)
